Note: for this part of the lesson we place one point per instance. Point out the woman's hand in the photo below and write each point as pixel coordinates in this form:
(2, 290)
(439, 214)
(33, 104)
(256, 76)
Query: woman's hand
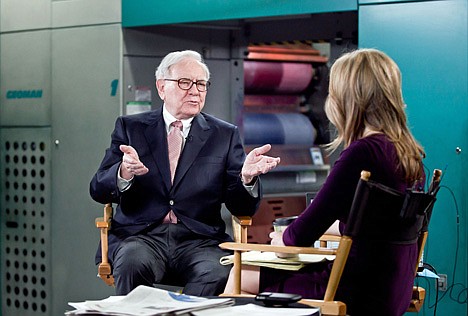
(277, 240)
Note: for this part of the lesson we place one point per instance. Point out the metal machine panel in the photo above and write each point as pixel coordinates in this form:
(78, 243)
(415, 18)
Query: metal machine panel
(139, 83)
(294, 180)
(18, 15)
(25, 222)
(384, 1)
(149, 12)
(85, 12)
(340, 29)
(219, 96)
(211, 41)
(25, 79)
(237, 90)
(86, 101)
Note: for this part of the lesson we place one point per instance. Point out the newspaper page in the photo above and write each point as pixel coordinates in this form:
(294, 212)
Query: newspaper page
(147, 301)
(257, 310)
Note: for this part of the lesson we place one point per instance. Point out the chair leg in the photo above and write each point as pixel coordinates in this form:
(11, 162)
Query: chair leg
(237, 272)
(417, 299)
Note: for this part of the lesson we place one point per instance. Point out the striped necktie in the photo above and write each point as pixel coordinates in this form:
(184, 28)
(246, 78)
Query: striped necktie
(174, 146)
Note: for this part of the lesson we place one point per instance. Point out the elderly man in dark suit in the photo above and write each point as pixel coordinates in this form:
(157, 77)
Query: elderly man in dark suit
(168, 220)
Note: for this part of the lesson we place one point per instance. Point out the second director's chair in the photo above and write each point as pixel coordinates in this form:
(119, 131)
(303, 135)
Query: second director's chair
(406, 216)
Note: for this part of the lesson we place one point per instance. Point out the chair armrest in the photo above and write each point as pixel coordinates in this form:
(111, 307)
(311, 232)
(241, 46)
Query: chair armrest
(243, 220)
(280, 249)
(327, 237)
(327, 308)
(101, 223)
(105, 221)
(239, 227)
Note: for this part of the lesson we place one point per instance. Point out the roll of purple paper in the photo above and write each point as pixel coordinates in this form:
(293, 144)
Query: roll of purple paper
(276, 77)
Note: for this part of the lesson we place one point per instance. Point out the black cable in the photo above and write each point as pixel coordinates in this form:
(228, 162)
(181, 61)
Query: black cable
(432, 269)
(450, 288)
(428, 294)
(456, 253)
(462, 295)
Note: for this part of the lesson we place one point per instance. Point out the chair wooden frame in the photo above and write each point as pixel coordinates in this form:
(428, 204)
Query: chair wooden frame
(239, 227)
(328, 305)
(104, 224)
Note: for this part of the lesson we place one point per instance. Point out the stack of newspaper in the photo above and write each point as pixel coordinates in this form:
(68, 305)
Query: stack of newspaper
(147, 301)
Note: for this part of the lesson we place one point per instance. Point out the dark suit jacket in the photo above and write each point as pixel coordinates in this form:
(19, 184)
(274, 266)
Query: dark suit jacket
(207, 175)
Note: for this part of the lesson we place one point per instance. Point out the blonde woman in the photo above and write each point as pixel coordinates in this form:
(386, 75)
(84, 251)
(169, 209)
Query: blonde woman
(365, 105)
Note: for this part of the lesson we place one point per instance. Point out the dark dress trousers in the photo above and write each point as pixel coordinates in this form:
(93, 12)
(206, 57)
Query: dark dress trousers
(207, 176)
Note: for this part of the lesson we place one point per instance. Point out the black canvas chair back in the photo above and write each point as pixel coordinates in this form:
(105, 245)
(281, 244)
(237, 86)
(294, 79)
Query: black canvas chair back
(383, 214)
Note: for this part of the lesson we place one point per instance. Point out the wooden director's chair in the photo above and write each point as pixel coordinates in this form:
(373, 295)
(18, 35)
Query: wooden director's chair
(411, 213)
(239, 228)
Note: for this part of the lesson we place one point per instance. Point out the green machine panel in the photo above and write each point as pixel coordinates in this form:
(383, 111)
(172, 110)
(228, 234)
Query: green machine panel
(20, 15)
(428, 40)
(384, 1)
(149, 12)
(25, 233)
(25, 79)
(85, 106)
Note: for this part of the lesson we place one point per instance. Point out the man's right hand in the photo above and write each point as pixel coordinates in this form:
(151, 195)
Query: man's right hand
(131, 165)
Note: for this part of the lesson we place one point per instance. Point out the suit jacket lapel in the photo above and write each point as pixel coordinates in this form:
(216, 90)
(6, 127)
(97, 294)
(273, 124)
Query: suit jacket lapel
(198, 135)
(156, 137)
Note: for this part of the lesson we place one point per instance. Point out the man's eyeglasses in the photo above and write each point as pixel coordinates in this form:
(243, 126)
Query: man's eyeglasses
(186, 84)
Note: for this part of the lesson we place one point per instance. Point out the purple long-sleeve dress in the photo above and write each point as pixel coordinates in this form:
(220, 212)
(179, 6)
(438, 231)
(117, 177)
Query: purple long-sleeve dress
(378, 279)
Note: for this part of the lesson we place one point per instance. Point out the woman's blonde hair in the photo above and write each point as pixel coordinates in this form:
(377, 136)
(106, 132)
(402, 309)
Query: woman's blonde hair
(365, 96)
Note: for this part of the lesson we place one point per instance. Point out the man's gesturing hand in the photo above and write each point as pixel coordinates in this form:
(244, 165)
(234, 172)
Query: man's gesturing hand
(257, 163)
(131, 164)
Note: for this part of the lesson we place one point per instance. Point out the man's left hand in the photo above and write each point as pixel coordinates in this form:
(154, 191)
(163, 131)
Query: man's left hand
(257, 163)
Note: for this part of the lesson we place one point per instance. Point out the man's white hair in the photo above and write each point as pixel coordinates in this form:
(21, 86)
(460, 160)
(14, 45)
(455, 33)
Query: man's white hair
(173, 58)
